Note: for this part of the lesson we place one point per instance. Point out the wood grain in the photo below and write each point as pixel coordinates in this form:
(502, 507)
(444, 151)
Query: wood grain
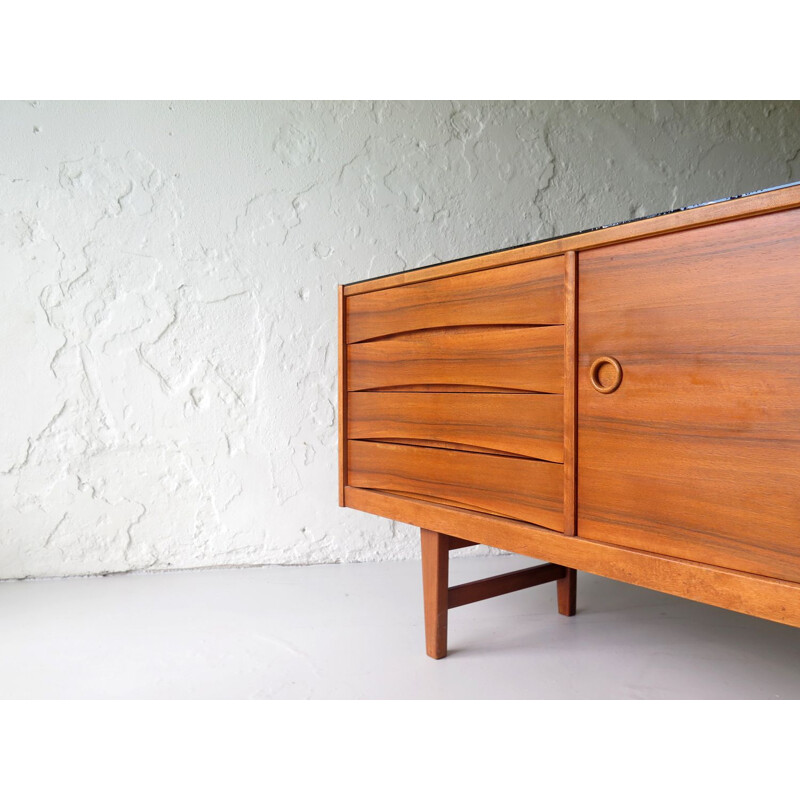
(518, 358)
(694, 458)
(743, 207)
(519, 424)
(570, 391)
(523, 294)
(759, 596)
(434, 590)
(697, 454)
(514, 487)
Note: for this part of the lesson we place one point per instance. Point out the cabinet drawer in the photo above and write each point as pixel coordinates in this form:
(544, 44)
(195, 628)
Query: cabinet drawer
(531, 491)
(531, 293)
(529, 425)
(478, 359)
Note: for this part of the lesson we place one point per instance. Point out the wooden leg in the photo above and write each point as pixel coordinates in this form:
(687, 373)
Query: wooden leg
(566, 588)
(434, 589)
(439, 596)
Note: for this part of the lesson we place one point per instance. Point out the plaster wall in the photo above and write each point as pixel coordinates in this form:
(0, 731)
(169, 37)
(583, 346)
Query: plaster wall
(168, 304)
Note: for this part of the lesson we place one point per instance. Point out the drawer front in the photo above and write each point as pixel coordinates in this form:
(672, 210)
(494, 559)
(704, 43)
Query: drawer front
(529, 425)
(478, 359)
(531, 293)
(518, 488)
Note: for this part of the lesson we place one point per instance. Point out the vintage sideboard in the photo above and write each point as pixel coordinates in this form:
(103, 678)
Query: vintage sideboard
(623, 401)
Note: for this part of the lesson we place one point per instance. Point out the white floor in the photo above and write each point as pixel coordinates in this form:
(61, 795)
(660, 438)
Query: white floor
(355, 631)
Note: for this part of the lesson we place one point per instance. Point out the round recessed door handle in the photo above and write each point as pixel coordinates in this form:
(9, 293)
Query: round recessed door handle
(605, 374)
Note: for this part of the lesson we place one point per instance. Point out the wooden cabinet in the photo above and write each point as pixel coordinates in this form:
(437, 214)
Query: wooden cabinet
(624, 401)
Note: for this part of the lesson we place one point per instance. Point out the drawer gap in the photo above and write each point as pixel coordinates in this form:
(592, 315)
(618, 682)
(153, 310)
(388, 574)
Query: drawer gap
(444, 445)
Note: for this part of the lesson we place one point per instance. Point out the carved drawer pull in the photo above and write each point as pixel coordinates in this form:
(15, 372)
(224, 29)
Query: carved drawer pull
(605, 374)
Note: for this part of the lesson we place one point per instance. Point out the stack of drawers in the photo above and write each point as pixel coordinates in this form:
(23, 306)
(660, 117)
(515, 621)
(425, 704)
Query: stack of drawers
(455, 391)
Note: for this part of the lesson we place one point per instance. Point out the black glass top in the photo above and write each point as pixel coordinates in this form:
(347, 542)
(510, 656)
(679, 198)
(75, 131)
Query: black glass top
(585, 230)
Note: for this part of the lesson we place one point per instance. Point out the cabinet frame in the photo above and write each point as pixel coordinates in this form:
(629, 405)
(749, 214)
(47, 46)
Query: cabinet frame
(746, 592)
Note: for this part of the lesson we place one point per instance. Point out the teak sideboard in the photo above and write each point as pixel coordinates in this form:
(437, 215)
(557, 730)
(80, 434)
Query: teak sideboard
(623, 401)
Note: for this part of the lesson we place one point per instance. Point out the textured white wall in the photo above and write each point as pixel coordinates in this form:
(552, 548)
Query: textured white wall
(168, 313)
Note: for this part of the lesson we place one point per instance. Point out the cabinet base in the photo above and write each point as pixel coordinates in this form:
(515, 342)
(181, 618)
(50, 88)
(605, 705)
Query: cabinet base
(439, 597)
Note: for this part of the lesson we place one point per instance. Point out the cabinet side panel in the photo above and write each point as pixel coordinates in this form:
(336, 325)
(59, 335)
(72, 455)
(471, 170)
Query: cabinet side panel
(570, 396)
(342, 409)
